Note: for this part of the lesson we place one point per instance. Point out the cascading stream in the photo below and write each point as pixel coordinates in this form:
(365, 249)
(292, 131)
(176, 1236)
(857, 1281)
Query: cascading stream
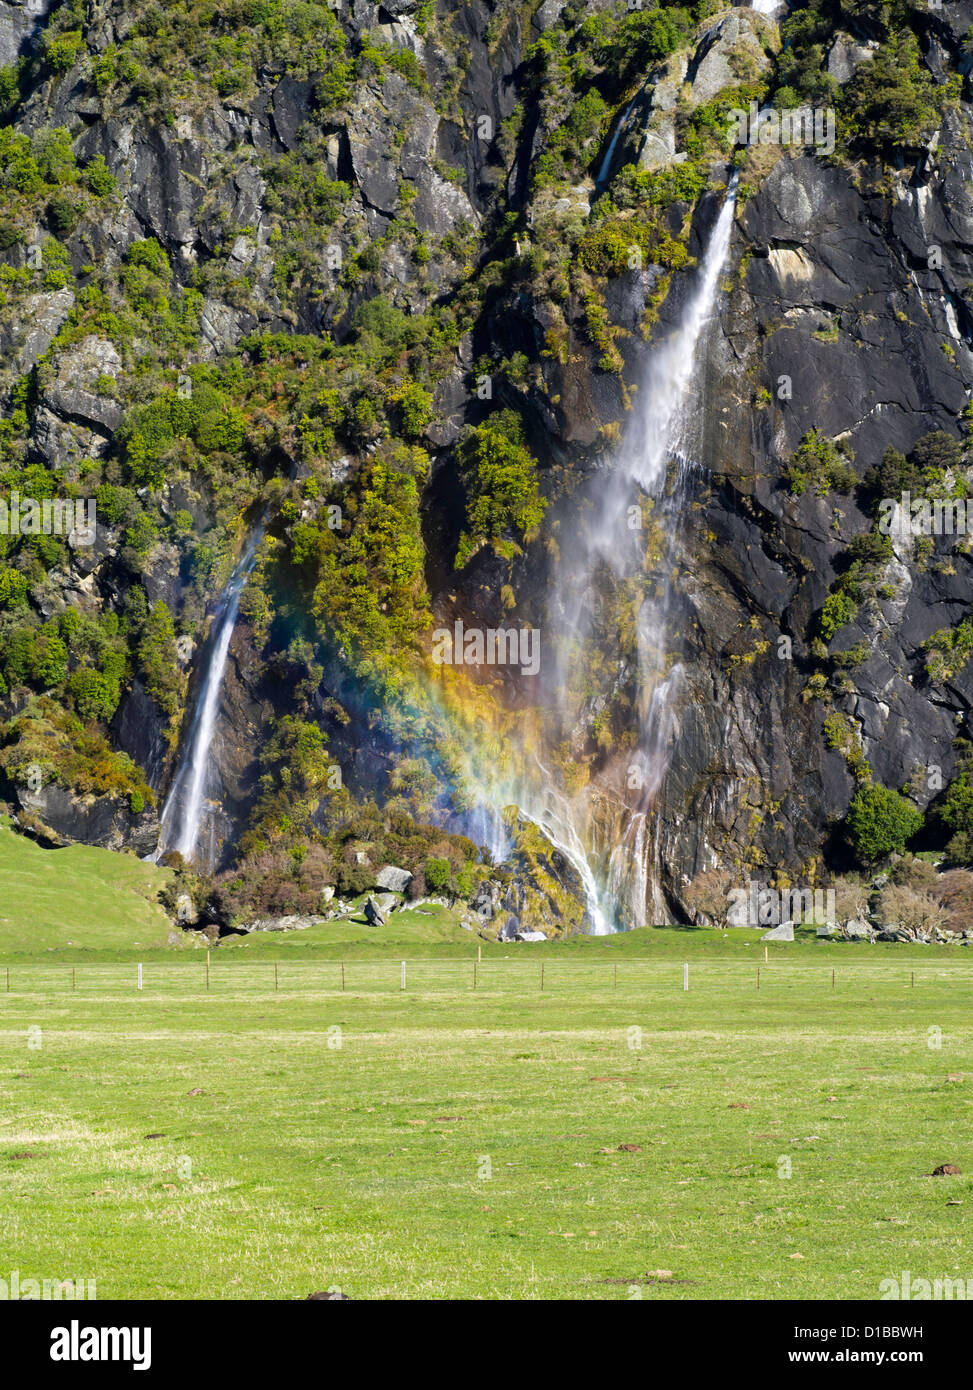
(662, 428)
(185, 809)
(602, 176)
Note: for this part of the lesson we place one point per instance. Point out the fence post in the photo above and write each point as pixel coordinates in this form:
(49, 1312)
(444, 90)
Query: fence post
(403, 974)
(685, 975)
(140, 975)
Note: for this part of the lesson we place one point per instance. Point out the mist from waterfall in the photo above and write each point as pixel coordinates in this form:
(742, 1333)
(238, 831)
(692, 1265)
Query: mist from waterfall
(185, 814)
(609, 836)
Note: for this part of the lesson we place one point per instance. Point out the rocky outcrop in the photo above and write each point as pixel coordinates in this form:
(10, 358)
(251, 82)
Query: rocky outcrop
(59, 817)
(292, 922)
(845, 308)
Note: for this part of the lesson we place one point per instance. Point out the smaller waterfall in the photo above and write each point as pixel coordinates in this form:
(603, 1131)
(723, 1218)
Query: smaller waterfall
(185, 808)
(602, 176)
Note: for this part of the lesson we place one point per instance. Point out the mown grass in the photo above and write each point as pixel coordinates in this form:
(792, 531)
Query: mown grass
(79, 898)
(462, 1140)
(452, 1145)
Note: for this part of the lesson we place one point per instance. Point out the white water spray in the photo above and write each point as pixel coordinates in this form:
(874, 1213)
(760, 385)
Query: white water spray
(663, 427)
(185, 808)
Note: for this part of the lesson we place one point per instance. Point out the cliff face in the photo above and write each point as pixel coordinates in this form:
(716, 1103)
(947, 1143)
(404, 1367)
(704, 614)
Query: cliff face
(271, 254)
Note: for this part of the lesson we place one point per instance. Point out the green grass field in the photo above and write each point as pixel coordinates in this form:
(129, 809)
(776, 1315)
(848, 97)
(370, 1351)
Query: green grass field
(266, 1138)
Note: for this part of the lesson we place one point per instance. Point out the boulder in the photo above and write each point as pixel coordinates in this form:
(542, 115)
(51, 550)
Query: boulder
(374, 915)
(186, 914)
(66, 817)
(392, 879)
(35, 327)
(486, 899)
(292, 922)
(845, 54)
(725, 49)
(82, 387)
(785, 932)
(856, 930)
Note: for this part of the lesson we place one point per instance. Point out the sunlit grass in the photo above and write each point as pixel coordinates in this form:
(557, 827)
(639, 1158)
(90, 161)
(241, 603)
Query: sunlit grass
(451, 1146)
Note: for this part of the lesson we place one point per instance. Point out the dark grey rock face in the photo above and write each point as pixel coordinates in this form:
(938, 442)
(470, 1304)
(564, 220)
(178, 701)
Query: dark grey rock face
(836, 302)
(846, 308)
(58, 816)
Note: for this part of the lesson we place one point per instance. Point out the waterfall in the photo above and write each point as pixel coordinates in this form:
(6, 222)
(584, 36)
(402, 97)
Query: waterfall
(612, 842)
(602, 176)
(186, 805)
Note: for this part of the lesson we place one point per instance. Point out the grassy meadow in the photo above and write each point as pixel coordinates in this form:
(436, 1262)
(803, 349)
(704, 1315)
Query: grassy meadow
(274, 1133)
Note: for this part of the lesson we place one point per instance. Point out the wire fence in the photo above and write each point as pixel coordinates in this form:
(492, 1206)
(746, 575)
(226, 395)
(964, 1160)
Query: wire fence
(456, 976)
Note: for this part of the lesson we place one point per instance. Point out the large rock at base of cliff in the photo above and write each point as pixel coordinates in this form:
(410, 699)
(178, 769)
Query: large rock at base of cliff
(105, 821)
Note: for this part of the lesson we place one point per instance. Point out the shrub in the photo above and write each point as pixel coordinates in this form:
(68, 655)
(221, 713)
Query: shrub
(500, 477)
(881, 822)
(354, 879)
(61, 50)
(917, 909)
(891, 101)
(99, 178)
(159, 659)
(708, 896)
(839, 608)
(437, 873)
(948, 650)
(820, 463)
(415, 406)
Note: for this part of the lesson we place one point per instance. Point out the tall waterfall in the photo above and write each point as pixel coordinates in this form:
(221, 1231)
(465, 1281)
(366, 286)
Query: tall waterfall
(185, 810)
(602, 582)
